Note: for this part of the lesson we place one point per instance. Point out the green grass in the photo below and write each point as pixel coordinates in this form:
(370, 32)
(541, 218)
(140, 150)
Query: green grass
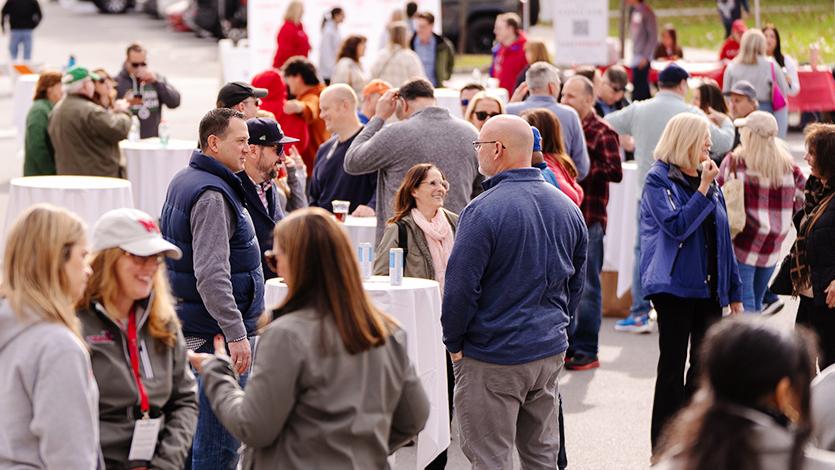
(468, 62)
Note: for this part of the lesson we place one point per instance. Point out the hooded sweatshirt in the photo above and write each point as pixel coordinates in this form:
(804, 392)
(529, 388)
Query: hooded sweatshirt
(49, 405)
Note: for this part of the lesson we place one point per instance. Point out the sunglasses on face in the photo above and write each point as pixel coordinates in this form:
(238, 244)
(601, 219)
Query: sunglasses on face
(136, 65)
(484, 115)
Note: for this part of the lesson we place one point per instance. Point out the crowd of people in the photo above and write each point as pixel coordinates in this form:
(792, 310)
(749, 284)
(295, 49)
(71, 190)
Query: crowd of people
(150, 345)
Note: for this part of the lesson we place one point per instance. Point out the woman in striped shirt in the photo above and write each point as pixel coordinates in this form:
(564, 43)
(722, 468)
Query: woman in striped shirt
(773, 192)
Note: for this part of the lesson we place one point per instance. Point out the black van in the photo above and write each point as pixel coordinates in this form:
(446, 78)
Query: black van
(481, 15)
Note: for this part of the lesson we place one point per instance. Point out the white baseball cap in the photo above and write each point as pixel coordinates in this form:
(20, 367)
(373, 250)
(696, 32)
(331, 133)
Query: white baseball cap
(133, 231)
(760, 122)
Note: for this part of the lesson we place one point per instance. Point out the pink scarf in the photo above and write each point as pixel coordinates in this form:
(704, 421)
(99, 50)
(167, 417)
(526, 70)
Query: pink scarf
(439, 237)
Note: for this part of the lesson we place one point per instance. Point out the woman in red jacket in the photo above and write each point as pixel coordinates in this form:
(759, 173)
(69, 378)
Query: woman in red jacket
(292, 40)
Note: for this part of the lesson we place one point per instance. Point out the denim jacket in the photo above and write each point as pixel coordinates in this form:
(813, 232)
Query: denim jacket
(673, 259)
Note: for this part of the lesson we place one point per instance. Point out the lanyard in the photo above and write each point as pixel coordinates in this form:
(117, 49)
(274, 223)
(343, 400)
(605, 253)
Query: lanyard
(134, 363)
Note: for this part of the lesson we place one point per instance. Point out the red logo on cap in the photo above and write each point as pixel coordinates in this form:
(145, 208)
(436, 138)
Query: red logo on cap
(149, 225)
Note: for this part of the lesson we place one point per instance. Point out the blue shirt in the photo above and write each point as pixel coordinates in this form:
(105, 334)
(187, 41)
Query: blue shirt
(426, 53)
(516, 271)
(572, 130)
(549, 175)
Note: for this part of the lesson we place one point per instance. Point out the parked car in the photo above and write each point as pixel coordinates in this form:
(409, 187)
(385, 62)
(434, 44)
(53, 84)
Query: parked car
(481, 15)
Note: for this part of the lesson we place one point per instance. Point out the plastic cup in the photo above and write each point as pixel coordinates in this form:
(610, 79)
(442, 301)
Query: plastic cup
(340, 210)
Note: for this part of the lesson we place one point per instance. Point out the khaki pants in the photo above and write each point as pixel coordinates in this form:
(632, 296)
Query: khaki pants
(497, 406)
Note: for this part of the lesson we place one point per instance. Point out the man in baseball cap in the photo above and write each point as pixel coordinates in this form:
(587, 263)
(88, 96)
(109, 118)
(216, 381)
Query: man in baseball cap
(266, 154)
(742, 101)
(242, 97)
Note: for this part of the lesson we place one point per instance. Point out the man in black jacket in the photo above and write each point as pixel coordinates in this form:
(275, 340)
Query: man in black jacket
(24, 16)
(266, 153)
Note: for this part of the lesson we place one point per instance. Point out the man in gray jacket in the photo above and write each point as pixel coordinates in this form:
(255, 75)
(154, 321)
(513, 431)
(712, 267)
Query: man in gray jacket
(425, 133)
(146, 90)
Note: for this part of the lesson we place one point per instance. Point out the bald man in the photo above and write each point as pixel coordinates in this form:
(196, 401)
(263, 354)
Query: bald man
(605, 167)
(338, 108)
(513, 280)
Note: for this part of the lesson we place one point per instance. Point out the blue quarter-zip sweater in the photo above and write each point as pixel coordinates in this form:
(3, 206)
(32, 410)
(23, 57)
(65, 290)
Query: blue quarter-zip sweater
(516, 271)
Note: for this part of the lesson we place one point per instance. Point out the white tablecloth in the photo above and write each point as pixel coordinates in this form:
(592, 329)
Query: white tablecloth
(150, 168)
(87, 196)
(361, 230)
(621, 228)
(417, 306)
(448, 98)
(24, 90)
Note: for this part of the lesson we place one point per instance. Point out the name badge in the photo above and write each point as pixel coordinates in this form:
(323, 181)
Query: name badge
(144, 441)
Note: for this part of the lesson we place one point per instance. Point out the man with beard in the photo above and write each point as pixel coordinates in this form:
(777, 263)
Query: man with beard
(266, 153)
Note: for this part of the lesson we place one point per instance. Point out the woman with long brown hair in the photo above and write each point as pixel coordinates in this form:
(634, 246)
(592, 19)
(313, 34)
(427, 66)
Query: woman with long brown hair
(49, 399)
(553, 150)
(127, 307)
(39, 156)
(332, 385)
(348, 67)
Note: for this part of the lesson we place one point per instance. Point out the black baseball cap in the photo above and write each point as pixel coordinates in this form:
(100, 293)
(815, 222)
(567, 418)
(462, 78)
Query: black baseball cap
(266, 132)
(234, 92)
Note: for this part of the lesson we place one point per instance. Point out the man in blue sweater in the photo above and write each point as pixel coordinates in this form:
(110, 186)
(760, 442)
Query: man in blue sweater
(514, 278)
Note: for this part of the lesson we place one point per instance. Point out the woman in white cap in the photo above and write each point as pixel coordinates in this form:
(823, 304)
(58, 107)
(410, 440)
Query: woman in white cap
(147, 390)
(773, 192)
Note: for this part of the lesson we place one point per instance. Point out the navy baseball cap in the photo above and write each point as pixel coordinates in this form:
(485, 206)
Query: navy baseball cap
(266, 132)
(537, 139)
(673, 74)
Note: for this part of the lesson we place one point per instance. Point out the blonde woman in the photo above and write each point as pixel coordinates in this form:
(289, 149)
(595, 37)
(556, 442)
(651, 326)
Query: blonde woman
(762, 72)
(773, 192)
(688, 267)
(481, 108)
(397, 63)
(292, 39)
(49, 404)
(136, 347)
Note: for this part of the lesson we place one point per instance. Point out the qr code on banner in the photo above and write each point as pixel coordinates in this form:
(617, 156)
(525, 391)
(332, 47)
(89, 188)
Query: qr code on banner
(580, 27)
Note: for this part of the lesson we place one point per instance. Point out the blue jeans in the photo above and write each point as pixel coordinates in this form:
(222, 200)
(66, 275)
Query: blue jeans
(640, 306)
(754, 284)
(213, 447)
(16, 39)
(583, 335)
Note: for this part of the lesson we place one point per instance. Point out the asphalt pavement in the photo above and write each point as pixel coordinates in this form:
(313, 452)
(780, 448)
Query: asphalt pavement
(607, 410)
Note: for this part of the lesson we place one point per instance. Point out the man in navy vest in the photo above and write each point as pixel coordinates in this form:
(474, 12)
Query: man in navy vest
(266, 153)
(218, 282)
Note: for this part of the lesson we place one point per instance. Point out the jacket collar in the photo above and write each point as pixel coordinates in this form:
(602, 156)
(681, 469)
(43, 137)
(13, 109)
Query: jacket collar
(201, 161)
(514, 175)
(541, 99)
(250, 191)
(674, 173)
(141, 307)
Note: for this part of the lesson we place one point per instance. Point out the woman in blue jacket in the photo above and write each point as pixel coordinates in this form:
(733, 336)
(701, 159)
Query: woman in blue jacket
(688, 268)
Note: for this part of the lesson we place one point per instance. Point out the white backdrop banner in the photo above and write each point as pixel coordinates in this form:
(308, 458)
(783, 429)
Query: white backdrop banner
(365, 17)
(580, 30)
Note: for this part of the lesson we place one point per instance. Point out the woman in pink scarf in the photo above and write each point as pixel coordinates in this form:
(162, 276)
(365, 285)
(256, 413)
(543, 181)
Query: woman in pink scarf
(425, 231)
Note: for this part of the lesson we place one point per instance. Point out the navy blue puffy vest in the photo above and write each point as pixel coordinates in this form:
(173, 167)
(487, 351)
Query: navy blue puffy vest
(205, 173)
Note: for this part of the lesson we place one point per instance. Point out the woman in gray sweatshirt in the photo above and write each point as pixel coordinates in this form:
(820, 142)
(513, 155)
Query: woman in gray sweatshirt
(49, 406)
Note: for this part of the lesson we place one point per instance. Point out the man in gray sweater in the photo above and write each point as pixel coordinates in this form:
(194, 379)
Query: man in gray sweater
(425, 133)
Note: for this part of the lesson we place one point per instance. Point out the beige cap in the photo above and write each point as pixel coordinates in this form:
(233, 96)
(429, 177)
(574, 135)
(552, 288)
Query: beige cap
(760, 122)
(133, 231)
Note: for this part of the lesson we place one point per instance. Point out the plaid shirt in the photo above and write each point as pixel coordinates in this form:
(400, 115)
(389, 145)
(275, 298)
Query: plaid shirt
(768, 212)
(604, 155)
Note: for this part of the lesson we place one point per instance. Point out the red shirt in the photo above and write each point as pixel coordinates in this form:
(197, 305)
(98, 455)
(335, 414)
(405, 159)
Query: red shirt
(508, 61)
(567, 183)
(729, 49)
(291, 124)
(292, 41)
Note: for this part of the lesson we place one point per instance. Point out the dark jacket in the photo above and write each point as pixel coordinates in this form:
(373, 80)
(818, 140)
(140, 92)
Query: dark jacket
(263, 218)
(418, 262)
(516, 271)
(673, 257)
(39, 156)
(154, 95)
(204, 173)
(166, 377)
(444, 57)
(820, 249)
(22, 14)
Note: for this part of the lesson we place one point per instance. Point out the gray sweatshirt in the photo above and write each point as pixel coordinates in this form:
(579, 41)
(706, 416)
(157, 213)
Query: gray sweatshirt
(49, 406)
(759, 75)
(429, 136)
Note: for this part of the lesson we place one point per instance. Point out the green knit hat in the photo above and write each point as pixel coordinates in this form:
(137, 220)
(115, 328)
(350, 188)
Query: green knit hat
(77, 73)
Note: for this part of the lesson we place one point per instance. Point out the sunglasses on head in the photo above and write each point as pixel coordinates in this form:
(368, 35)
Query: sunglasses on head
(136, 65)
(484, 115)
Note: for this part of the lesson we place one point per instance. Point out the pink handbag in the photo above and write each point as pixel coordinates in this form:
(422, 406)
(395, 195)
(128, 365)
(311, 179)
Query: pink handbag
(778, 101)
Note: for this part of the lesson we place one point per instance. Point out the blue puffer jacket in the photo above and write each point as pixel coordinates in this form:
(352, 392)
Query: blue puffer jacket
(673, 259)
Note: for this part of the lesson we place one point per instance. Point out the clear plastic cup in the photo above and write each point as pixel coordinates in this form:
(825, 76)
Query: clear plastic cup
(340, 210)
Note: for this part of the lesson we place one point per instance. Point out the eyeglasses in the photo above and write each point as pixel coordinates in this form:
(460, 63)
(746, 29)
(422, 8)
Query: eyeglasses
(484, 115)
(272, 260)
(477, 144)
(145, 260)
(136, 65)
(436, 184)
